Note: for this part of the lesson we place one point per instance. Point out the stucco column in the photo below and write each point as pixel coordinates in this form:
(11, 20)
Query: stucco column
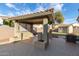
(16, 28)
(17, 35)
(45, 30)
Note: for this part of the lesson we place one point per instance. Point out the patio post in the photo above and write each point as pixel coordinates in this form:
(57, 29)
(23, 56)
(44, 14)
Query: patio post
(45, 30)
(16, 28)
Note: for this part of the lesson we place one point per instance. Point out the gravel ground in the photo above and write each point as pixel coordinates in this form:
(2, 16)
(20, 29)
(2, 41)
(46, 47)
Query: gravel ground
(5, 32)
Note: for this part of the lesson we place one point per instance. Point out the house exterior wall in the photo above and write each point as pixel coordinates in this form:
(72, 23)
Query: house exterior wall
(1, 21)
(63, 29)
(38, 28)
(76, 29)
(76, 24)
(70, 29)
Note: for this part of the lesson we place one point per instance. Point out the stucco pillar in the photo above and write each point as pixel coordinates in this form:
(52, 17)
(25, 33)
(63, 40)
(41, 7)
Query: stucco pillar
(17, 34)
(45, 30)
(16, 28)
(43, 41)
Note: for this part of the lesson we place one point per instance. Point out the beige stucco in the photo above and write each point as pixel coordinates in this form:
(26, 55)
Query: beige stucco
(70, 29)
(20, 33)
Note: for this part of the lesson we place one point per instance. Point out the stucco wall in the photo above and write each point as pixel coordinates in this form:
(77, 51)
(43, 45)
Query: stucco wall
(1, 21)
(70, 29)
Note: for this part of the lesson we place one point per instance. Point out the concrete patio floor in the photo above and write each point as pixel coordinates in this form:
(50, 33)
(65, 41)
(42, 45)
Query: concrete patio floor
(57, 47)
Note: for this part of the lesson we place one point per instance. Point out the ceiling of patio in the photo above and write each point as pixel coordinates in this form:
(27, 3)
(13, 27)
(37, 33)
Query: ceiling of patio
(31, 21)
(34, 18)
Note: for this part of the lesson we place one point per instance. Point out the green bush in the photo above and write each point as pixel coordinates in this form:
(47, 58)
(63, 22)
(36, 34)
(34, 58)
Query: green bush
(11, 24)
(8, 22)
(5, 22)
(49, 22)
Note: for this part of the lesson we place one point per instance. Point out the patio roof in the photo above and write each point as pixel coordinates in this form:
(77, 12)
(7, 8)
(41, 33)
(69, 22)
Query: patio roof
(4, 17)
(34, 18)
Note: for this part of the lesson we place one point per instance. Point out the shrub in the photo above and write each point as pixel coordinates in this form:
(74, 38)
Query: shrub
(8, 22)
(49, 22)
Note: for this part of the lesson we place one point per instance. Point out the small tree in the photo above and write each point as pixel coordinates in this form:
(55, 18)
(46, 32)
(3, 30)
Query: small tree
(5, 22)
(49, 22)
(11, 24)
(59, 17)
(77, 17)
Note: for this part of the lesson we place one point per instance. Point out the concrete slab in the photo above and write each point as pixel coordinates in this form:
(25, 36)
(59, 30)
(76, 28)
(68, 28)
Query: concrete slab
(57, 47)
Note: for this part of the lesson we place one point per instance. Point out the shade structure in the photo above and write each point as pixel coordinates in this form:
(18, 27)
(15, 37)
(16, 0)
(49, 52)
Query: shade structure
(34, 18)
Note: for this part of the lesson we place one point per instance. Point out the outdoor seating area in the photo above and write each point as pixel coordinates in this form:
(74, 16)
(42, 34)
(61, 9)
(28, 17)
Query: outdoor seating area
(23, 28)
(26, 38)
(27, 21)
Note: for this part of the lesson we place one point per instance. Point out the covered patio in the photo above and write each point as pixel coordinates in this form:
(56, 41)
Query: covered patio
(27, 21)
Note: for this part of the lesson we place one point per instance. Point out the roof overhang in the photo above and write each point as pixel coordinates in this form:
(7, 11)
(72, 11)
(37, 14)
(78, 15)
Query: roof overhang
(30, 16)
(34, 18)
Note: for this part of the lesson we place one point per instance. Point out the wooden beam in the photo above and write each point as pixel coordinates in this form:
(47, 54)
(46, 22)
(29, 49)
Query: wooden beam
(31, 21)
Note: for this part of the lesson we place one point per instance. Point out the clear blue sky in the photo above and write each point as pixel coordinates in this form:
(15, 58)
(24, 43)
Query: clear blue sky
(69, 10)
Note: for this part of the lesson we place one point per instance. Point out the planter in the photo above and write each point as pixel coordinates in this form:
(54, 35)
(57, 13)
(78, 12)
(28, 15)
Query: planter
(40, 44)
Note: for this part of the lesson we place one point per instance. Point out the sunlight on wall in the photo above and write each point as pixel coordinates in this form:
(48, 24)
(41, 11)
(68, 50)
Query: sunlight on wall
(1, 21)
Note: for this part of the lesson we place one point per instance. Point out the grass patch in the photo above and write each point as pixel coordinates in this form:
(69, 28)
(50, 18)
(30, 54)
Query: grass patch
(58, 33)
